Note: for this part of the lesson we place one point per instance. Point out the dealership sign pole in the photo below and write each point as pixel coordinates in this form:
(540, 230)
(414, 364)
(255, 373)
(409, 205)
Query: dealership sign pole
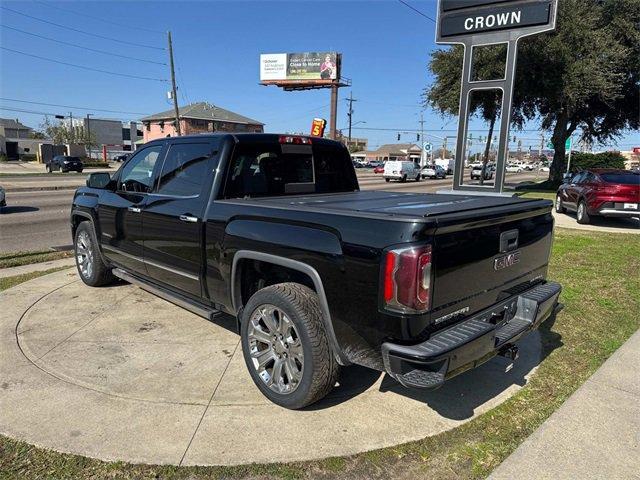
(477, 23)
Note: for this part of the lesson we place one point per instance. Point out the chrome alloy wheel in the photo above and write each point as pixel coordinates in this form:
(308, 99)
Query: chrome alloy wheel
(275, 349)
(84, 254)
(581, 211)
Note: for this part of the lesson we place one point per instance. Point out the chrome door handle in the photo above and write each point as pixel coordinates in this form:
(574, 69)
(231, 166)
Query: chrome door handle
(188, 218)
(134, 209)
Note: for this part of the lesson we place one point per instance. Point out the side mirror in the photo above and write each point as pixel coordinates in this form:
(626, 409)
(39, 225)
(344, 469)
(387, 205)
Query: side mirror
(566, 178)
(98, 180)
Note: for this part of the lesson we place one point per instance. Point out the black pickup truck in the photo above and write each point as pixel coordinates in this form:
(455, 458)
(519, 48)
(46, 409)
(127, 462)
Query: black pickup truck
(274, 230)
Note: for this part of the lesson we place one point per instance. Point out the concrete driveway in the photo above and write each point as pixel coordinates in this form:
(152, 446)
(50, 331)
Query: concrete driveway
(118, 374)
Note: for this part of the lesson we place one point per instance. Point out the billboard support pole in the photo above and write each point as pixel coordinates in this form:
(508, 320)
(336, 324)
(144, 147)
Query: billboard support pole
(334, 111)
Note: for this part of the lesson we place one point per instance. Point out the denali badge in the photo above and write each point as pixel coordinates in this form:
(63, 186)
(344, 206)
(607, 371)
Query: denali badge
(449, 316)
(506, 260)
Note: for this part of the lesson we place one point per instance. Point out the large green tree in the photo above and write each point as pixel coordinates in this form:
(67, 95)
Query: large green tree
(584, 76)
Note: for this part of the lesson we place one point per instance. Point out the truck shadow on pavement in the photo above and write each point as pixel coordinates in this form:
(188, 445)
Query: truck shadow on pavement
(17, 209)
(460, 396)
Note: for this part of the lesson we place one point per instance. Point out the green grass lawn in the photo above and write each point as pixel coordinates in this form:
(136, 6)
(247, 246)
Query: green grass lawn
(16, 259)
(599, 273)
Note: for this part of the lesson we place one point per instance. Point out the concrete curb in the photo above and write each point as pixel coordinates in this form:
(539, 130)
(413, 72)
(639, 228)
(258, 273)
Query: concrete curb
(36, 267)
(42, 189)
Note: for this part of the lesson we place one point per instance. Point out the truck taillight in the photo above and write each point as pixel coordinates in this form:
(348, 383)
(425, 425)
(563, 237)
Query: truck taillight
(407, 279)
(295, 140)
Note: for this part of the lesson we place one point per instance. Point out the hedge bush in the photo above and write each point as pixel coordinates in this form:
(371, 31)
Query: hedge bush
(583, 161)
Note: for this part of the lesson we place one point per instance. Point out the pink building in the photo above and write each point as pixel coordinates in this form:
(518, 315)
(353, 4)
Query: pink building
(201, 117)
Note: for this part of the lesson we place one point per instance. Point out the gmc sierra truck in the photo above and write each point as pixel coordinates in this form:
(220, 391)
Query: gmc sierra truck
(273, 230)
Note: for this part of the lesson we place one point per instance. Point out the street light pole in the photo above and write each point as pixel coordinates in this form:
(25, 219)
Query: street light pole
(88, 140)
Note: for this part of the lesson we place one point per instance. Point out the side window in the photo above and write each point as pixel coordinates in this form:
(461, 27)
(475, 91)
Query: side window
(185, 169)
(137, 174)
(578, 178)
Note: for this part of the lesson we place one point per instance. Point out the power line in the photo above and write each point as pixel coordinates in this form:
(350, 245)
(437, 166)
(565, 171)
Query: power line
(37, 112)
(91, 109)
(80, 31)
(417, 11)
(98, 18)
(81, 46)
(82, 66)
(26, 111)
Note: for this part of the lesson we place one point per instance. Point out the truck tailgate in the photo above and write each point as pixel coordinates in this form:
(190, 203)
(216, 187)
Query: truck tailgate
(480, 261)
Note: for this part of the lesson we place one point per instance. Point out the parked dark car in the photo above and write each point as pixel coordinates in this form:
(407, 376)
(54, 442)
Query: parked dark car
(274, 230)
(600, 192)
(64, 164)
(121, 158)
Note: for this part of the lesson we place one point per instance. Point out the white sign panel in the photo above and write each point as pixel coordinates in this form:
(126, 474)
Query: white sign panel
(273, 66)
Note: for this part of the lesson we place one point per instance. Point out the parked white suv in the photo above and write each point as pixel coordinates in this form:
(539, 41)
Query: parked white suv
(401, 170)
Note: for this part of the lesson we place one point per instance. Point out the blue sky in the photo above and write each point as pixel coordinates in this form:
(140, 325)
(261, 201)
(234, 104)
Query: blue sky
(385, 48)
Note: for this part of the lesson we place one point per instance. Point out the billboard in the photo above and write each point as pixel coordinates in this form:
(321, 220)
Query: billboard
(315, 67)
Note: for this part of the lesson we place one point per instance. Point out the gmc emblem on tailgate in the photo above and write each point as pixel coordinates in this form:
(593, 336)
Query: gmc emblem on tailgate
(506, 261)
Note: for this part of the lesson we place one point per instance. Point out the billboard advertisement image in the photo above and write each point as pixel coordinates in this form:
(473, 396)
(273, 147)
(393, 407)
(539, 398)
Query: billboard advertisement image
(316, 67)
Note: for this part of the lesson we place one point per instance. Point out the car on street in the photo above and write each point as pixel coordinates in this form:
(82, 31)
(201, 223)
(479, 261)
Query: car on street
(433, 171)
(121, 158)
(477, 172)
(64, 163)
(3, 197)
(514, 168)
(274, 231)
(448, 164)
(401, 170)
(600, 192)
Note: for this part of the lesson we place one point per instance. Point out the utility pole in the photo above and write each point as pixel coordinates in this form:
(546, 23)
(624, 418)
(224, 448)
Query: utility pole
(350, 114)
(71, 132)
(444, 148)
(541, 146)
(174, 90)
(422, 152)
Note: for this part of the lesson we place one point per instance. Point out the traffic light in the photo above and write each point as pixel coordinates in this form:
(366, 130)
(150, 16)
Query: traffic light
(398, 137)
(417, 137)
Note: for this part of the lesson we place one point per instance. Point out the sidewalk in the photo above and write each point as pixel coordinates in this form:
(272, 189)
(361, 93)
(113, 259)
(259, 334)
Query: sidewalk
(37, 267)
(596, 432)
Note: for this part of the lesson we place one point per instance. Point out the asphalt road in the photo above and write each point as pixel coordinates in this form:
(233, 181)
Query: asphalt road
(39, 220)
(35, 220)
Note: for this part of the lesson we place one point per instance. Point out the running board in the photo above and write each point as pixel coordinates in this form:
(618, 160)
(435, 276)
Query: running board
(175, 298)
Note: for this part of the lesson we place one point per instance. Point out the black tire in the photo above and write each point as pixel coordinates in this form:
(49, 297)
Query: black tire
(418, 178)
(558, 205)
(99, 273)
(582, 215)
(387, 180)
(49, 169)
(80, 171)
(320, 372)
(404, 178)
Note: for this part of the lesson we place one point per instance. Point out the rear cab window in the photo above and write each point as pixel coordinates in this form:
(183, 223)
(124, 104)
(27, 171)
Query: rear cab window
(274, 169)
